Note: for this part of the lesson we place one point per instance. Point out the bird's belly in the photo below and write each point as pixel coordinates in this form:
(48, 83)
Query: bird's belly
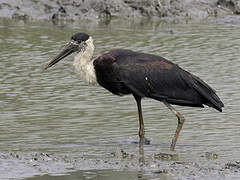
(114, 86)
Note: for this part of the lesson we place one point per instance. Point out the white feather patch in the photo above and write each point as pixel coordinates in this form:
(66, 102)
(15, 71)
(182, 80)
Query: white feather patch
(84, 65)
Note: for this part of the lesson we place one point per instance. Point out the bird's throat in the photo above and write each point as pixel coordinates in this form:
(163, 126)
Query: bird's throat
(84, 65)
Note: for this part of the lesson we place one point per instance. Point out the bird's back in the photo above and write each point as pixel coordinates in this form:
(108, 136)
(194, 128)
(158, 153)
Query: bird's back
(125, 71)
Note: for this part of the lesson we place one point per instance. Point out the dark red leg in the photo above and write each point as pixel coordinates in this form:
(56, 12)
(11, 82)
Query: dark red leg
(141, 124)
(179, 126)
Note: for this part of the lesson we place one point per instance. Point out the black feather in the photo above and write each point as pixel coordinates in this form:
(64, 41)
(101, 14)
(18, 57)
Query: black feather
(128, 72)
(80, 37)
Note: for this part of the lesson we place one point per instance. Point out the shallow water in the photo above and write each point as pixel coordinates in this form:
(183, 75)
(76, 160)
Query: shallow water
(55, 112)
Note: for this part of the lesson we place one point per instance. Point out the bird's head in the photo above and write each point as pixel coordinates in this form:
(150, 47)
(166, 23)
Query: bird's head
(79, 43)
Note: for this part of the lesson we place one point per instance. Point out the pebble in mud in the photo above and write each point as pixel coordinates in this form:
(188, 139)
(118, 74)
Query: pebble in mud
(165, 156)
(42, 157)
(234, 165)
(161, 171)
(15, 155)
(126, 155)
(211, 156)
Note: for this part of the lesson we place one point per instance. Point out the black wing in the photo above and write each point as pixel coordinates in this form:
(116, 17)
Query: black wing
(124, 72)
(107, 73)
(155, 77)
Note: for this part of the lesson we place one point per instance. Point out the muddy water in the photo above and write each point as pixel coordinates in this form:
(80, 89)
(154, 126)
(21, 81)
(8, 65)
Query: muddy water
(52, 123)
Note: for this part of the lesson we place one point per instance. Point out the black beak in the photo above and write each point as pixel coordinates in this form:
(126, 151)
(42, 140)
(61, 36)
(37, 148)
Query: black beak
(69, 49)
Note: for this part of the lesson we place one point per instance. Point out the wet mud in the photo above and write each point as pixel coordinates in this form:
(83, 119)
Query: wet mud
(17, 165)
(95, 10)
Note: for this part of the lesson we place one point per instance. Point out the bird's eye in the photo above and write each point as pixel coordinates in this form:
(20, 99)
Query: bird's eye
(79, 41)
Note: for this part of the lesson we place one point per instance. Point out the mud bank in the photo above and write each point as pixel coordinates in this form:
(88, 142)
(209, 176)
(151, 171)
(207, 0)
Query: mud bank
(129, 9)
(22, 165)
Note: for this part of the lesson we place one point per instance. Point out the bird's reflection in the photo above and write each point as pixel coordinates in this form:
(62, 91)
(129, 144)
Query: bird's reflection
(141, 152)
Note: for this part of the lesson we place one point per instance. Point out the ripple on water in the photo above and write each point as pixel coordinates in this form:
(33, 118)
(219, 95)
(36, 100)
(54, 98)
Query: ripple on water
(55, 111)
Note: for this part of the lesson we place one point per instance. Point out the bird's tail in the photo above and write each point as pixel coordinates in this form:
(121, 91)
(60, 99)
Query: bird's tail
(208, 93)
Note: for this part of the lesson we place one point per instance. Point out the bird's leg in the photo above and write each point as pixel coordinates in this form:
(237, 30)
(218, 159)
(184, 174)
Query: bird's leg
(179, 126)
(141, 124)
(141, 131)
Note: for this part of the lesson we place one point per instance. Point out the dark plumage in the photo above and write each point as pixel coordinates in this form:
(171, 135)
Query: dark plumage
(127, 72)
(142, 75)
(80, 37)
(145, 75)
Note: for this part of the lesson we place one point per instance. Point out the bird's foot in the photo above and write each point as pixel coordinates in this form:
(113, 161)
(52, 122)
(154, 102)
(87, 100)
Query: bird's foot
(146, 141)
(142, 140)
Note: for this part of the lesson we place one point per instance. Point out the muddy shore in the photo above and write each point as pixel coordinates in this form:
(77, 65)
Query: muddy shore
(95, 10)
(23, 165)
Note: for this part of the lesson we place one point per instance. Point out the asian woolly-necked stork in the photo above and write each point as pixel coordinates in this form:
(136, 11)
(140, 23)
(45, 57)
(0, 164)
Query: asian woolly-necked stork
(123, 72)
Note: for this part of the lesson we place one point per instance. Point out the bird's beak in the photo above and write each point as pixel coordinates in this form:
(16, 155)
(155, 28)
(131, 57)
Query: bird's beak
(70, 48)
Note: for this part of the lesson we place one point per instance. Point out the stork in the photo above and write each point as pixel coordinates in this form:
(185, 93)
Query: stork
(124, 72)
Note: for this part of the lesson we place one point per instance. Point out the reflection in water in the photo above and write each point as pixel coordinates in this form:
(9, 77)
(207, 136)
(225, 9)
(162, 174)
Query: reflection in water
(96, 175)
(54, 111)
(141, 151)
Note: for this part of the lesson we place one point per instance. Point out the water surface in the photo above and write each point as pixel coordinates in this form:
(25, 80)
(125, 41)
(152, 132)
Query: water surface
(55, 112)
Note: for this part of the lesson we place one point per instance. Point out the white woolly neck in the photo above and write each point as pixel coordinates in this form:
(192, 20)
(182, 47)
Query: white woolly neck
(83, 64)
